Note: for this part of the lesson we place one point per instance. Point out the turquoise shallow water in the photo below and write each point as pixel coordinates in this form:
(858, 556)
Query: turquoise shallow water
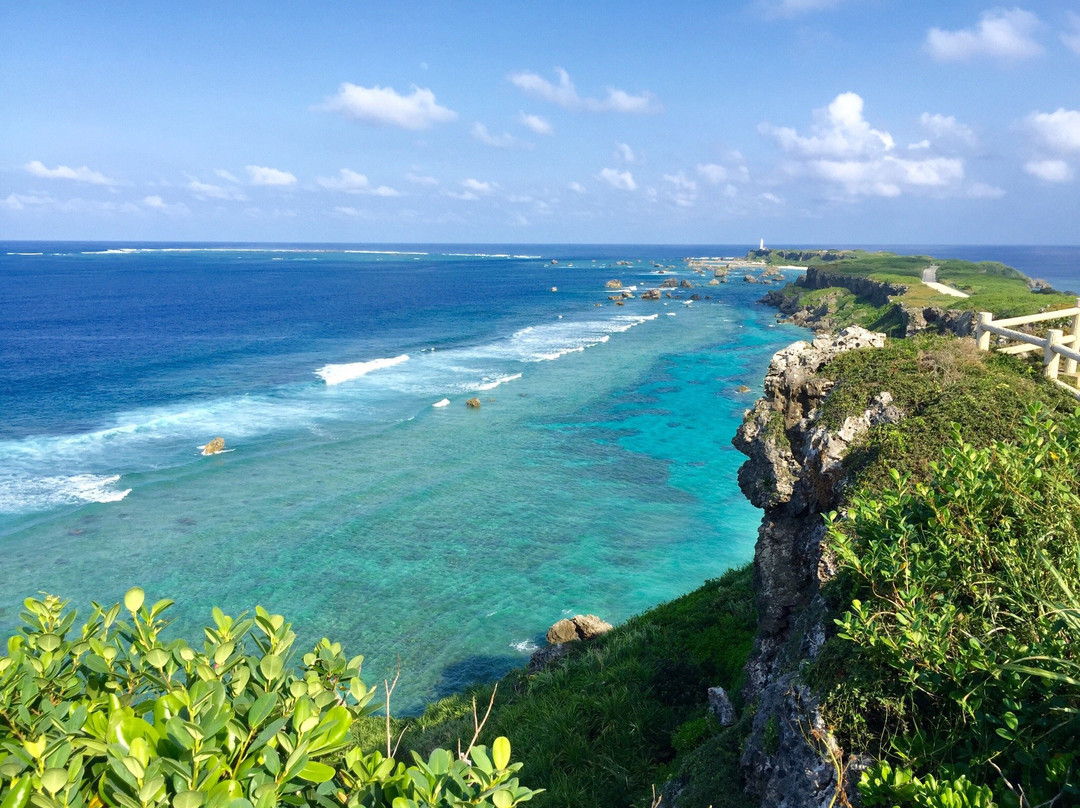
(599, 481)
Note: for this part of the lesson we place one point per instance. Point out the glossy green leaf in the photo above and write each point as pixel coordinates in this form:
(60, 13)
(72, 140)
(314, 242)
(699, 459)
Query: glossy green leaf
(52, 780)
(315, 772)
(271, 666)
(263, 706)
(500, 752)
(133, 599)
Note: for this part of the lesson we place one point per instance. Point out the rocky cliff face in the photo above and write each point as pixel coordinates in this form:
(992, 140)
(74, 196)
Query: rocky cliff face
(819, 316)
(794, 472)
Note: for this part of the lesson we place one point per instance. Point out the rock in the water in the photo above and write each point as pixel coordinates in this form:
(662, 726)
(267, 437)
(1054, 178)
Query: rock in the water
(581, 627)
(542, 657)
(563, 631)
(554, 261)
(714, 282)
(685, 284)
(721, 706)
(474, 403)
(749, 279)
(554, 288)
(589, 626)
(650, 294)
(742, 388)
(613, 284)
(669, 283)
(214, 446)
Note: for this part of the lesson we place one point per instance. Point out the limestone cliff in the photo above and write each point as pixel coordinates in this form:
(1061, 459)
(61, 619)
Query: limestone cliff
(795, 473)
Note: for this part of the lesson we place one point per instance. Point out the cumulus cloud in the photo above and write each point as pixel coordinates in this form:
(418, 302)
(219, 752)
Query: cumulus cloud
(623, 180)
(538, 125)
(83, 174)
(384, 105)
(839, 131)
(225, 175)
(982, 190)
(158, 204)
(1049, 170)
(844, 150)
(624, 152)
(577, 188)
(263, 175)
(946, 126)
(15, 201)
(503, 141)
(206, 190)
(717, 174)
(1058, 131)
(352, 182)
(420, 179)
(479, 187)
(566, 95)
(1000, 34)
(1071, 38)
(684, 193)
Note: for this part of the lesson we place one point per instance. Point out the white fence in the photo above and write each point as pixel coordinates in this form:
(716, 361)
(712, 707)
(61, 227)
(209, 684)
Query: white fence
(1058, 344)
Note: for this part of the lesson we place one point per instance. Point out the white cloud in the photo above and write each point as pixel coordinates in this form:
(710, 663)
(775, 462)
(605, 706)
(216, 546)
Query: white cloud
(623, 180)
(478, 187)
(839, 131)
(1058, 131)
(845, 151)
(535, 123)
(1071, 38)
(794, 8)
(83, 174)
(685, 192)
(1000, 33)
(15, 201)
(355, 213)
(419, 179)
(946, 126)
(385, 106)
(503, 141)
(577, 188)
(624, 152)
(714, 173)
(466, 196)
(1049, 170)
(262, 175)
(225, 175)
(155, 202)
(205, 190)
(565, 94)
(922, 145)
(981, 190)
(352, 182)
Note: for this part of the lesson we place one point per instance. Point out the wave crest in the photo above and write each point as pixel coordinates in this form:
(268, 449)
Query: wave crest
(336, 374)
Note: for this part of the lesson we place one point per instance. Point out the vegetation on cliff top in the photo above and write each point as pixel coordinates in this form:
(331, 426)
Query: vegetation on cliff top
(992, 286)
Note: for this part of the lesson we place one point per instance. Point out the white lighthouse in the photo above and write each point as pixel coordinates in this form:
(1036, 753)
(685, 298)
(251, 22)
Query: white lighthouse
(762, 246)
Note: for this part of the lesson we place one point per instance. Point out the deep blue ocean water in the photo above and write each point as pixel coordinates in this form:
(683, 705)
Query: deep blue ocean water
(597, 476)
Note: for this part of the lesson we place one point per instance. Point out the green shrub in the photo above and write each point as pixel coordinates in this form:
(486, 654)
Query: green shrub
(958, 609)
(114, 715)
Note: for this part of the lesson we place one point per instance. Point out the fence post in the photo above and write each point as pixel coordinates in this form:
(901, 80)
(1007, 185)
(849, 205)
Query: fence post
(1051, 358)
(982, 336)
(1070, 364)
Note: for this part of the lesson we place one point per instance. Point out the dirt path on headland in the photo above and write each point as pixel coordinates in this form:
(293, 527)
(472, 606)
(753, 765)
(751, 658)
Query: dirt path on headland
(929, 277)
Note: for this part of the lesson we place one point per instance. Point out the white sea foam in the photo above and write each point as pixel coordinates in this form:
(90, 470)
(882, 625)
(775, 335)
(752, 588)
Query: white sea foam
(22, 495)
(491, 385)
(336, 374)
(18, 253)
(442, 403)
(524, 646)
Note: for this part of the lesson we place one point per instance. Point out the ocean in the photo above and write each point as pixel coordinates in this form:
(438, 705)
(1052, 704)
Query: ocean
(597, 476)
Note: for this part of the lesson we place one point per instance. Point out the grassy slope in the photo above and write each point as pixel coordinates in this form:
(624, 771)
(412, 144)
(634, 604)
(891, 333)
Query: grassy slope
(621, 713)
(993, 286)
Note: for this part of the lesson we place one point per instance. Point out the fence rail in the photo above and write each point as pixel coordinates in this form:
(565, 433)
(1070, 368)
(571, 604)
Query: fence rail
(1056, 346)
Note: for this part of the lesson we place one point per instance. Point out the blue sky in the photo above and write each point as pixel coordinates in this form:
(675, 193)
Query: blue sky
(799, 121)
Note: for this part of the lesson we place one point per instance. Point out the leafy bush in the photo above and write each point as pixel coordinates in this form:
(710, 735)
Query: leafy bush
(113, 715)
(959, 583)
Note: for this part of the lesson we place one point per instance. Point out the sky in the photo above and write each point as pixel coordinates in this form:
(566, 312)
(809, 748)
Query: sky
(794, 121)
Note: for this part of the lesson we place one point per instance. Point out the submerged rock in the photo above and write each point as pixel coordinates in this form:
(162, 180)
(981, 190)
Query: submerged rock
(473, 403)
(214, 447)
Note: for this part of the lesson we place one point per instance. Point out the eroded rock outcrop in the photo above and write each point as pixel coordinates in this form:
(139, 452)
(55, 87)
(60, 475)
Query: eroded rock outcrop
(795, 473)
(215, 446)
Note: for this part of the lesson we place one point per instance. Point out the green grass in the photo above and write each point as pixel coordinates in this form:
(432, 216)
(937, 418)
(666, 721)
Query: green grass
(619, 714)
(992, 286)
